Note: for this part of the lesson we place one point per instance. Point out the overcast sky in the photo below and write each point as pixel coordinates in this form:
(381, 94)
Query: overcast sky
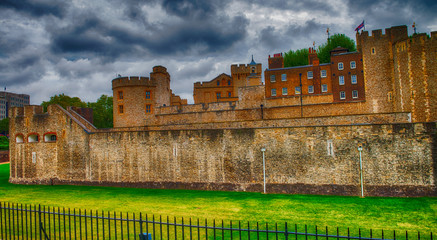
(77, 47)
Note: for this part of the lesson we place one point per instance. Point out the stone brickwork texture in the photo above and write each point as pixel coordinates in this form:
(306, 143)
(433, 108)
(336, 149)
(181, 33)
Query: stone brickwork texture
(399, 159)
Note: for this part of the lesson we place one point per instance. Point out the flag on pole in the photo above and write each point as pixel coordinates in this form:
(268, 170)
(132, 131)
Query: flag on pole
(360, 26)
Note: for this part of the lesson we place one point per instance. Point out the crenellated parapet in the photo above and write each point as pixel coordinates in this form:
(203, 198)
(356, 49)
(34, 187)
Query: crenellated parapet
(244, 68)
(130, 81)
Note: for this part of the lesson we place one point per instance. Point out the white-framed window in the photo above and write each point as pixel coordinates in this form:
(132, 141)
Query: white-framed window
(340, 66)
(353, 65)
(297, 90)
(330, 148)
(273, 92)
(273, 78)
(284, 91)
(354, 79)
(354, 94)
(311, 89)
(284, 77)
(50, 137)
(19, 138)
(32, 138)
(342, 95)
(310, 74)
(341, 80)
(324, 87)
(323, 73)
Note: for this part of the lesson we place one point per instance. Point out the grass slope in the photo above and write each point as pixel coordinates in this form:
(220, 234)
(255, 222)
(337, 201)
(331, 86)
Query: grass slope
(418, 214)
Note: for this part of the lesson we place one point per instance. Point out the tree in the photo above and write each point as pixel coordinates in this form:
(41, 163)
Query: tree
(4, 143)
(336, 40)
(64, 101)
(296, 58)
(300, 56)
(102, 112)
(4, 126)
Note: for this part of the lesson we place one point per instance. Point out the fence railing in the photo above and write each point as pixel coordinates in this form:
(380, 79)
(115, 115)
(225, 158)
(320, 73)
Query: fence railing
(18, 221)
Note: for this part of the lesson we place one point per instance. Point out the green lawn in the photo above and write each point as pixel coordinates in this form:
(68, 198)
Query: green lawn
(416, 214)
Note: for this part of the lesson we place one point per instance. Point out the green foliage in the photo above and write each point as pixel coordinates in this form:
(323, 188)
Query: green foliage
(64, 101)
(300, 56)
(102, 109)
(336, 40)
(296, 58)
(102, 112)
(4, 126)
(4, 143)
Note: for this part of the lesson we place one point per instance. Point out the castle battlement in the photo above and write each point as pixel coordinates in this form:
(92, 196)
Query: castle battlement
(132, 81)
(242, 68)
(393, 34)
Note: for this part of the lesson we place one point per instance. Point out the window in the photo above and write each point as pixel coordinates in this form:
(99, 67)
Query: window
(354, 79)
(297, 90)
(353, 65)
(324, 87)
(340, 66)
(218, 95)
(330, 148)
(120, 95)
(32, 138)
(373, 51)
(50, 137)
(120, 109)
(342, 95)
(273, 91)
(229, 82)
(323, 73)
(229, 94)
(310, 89)
(273, 78)
(147, 94)
(284, 91)
(354, 94)
(148, 108)
(341, 80)
(284, 77)
(19, 138)
(310, 74)
(253, 69)
(218, 83)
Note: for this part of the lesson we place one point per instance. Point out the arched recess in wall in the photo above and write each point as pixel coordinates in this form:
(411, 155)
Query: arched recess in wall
(33, 137)
(50, 137)
(19, 138)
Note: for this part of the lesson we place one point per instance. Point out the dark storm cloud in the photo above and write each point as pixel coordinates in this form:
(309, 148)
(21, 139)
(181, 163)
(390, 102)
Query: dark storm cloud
(296, 5)
(193, 9)
(273, 38)
(21, 69)
(94, 37)
(382, 14)
(36, 8)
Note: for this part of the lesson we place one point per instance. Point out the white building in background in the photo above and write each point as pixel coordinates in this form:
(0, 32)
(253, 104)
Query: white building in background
(8, 100)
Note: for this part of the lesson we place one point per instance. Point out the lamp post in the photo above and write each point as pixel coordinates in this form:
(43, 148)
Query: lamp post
(264, 168)
(360, 148)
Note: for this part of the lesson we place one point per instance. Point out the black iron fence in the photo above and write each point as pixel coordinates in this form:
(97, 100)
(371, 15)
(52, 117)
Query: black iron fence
(18, 221)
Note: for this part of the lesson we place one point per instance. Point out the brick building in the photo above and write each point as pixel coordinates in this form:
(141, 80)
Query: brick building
(9, 100)
(342, 80)
(224, 88)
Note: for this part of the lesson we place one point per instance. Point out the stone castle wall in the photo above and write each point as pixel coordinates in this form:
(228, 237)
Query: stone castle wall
(399, 159)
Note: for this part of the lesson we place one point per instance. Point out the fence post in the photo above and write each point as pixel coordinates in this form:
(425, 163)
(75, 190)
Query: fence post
(40, 224)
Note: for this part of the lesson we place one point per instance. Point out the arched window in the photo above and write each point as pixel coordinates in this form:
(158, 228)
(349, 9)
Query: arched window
(33, 137)
(19, 138)
(50, 137)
